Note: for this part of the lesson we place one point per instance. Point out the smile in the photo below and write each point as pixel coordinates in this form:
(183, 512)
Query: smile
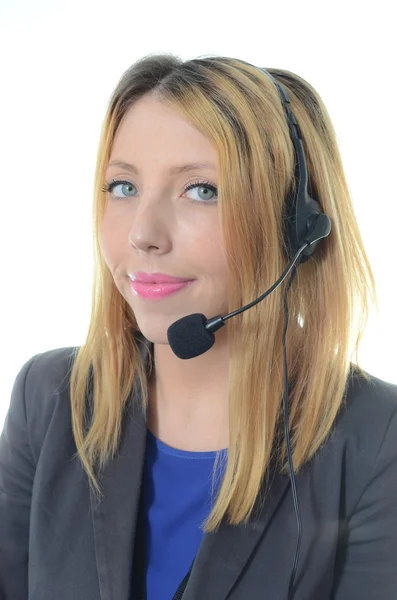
(154, 291)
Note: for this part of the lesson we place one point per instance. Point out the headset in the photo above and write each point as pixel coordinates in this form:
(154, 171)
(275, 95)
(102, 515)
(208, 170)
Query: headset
(304, 226)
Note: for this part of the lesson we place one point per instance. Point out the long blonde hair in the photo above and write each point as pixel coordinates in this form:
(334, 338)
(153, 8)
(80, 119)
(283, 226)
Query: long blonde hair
(238, 108)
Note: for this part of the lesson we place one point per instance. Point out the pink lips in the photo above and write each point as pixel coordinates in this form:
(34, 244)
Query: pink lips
(157, 278)
(157, 290)
(157, 285)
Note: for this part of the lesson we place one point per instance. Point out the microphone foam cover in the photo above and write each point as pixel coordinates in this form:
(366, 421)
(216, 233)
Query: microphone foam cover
(188, 337)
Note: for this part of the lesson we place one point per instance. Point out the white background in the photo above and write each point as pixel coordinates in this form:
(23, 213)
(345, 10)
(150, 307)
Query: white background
(60, 61)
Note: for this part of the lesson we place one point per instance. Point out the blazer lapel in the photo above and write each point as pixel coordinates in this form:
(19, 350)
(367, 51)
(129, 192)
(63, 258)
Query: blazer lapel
(222, 555)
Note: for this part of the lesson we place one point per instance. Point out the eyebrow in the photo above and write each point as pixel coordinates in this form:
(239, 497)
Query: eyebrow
(172, 171)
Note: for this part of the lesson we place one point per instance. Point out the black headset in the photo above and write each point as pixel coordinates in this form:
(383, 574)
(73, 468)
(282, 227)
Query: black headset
(304, 226)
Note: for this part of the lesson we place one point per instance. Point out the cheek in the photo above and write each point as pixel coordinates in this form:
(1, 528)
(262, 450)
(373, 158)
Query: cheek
(215, 248)
(106, 244)
(208, 252)
(110, 243)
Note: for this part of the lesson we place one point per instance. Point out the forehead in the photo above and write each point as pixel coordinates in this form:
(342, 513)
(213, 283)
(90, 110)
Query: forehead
(151, 131)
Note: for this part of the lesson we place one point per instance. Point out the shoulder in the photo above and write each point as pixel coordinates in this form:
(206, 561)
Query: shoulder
(367, 490)
(44, 373)
(368, 409)
(40, 397)
(362, 446)
(50, 367)
(41, 384)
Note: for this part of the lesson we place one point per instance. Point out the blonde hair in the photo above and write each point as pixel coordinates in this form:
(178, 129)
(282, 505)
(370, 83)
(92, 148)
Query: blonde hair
(238, 108)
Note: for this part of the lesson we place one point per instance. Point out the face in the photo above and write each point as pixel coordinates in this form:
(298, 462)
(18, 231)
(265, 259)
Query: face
(153, 224)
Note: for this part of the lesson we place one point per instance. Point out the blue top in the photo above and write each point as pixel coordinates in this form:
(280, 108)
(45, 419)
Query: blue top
(178, 499)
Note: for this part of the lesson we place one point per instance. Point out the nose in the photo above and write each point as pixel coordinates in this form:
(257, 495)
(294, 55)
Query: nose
(150, 229)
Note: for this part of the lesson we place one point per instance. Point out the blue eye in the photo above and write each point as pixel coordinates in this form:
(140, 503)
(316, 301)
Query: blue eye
(109, 187)
(202, 185)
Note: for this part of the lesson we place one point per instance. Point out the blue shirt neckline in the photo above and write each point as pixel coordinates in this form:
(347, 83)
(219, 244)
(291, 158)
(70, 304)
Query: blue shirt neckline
(189, 454)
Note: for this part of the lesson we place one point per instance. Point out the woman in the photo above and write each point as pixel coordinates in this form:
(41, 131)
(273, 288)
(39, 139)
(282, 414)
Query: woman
(121, 463)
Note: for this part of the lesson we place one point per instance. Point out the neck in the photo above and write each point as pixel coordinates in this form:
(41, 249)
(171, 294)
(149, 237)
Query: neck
(188, 399)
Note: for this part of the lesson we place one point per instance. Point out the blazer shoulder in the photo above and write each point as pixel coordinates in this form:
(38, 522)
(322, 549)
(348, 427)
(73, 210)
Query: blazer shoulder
(41, 381)
(46, 373)
(362, 434)
(369, 404)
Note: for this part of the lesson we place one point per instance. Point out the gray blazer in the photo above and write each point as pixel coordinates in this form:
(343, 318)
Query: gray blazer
(57, 543)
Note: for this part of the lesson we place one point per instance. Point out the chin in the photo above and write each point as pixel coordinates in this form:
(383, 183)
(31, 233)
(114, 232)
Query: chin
(154, 331)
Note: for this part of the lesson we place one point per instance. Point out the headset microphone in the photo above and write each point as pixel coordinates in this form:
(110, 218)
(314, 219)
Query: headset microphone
(304, 227)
